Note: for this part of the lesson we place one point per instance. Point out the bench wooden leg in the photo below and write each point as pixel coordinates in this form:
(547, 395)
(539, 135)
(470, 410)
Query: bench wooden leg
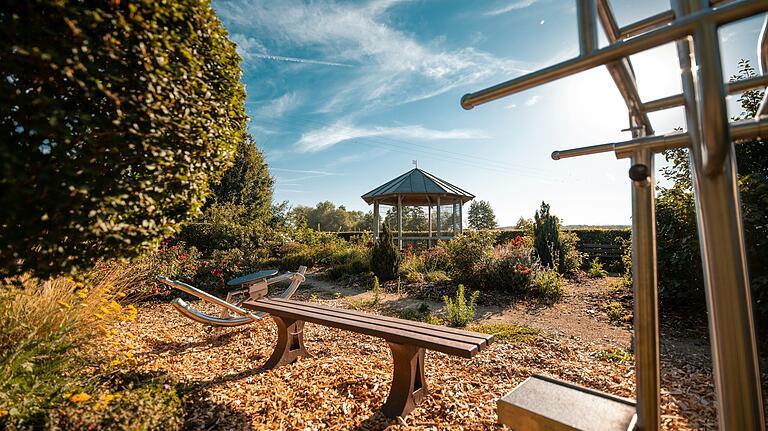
(409, 386)
(290, 343)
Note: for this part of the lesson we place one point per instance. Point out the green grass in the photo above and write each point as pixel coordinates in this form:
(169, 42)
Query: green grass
(617, 312)
(508, 332)
(616, 355)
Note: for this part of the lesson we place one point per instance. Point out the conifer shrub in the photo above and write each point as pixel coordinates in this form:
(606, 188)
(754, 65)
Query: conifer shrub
(555, 248)
(385, 257)
(460, 310)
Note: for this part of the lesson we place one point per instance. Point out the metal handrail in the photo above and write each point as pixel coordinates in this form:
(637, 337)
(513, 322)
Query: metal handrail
(678, 29)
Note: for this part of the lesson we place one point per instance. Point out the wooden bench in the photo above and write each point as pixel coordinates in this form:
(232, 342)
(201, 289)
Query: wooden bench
(602, 251)
(407, 340)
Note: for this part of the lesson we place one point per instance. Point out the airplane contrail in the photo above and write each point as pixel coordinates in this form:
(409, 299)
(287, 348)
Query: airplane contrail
(298, 60)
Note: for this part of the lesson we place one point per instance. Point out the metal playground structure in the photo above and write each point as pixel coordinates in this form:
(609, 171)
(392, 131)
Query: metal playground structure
(692, 25)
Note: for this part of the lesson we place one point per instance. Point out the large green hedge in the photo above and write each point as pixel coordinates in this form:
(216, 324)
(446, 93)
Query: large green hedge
(116, 117)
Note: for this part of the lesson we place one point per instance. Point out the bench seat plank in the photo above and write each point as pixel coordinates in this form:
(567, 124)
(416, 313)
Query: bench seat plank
(482, 340)
(402, 336)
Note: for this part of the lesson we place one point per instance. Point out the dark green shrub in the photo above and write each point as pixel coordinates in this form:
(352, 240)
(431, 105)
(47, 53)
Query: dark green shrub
(555, 248)
(385, 257)
(116, 117)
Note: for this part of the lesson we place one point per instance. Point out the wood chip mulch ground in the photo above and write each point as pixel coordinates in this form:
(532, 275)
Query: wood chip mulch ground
(345, 383)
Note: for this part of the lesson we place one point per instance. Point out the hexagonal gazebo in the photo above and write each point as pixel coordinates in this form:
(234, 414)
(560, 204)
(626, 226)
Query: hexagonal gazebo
(421, 189)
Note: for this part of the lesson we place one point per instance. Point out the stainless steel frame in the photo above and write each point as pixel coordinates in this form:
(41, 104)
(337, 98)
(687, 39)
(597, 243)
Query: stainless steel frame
(692, 25)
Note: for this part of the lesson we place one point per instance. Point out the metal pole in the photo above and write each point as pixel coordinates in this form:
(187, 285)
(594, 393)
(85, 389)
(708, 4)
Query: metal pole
(645, 290)
(586, 12)
(721, 235)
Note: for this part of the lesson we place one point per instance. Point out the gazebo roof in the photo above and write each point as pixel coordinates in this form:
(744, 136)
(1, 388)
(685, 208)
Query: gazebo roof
(418, 188)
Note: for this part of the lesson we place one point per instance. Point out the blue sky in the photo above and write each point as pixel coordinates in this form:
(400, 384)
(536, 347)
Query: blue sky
(343, 95)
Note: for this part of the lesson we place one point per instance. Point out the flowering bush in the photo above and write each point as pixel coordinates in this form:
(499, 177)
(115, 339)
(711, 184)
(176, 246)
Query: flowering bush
(435, 258)
(510, 266)
(467, 252)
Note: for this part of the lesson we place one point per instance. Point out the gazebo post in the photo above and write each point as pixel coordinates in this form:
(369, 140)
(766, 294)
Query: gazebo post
(439, 228)
(376, 222)
(429, 222)
(400, 220)
(461, 216)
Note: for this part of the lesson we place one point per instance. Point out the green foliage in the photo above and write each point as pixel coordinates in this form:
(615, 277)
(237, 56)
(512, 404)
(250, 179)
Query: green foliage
(548, 285)
(376, 289)
(677, 242)
(481, 216)
(596, 269)
(326, 217)
(615, 355)
(414, 219)
(459, 311)
(509, 267)
(555, 248)
(617, 312)
(524, 225)
(247, 183)
(117, 116)
(422, 313)
(508, 332)
(466, 253)
(385, 257)
(436, 276)
(436, 258)
(680, 271)
(152, 405)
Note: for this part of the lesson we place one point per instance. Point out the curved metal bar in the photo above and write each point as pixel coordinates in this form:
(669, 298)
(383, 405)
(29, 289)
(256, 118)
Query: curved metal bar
(679, 28)
(205, 296)
(190, 312)
(762, 51)
(247, 317)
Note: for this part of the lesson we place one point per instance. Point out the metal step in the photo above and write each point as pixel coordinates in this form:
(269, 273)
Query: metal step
(542, 403)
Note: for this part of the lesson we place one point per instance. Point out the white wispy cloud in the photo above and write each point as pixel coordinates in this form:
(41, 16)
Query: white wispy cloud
(515, 5)
(391, 67)
(326, 137)
(533, 100)
(277, 107)
(250, 48)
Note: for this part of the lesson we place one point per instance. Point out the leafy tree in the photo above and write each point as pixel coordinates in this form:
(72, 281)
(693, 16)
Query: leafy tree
(385, 257)
(116, 116)
(525, 224)
(680, 271)
(414, 219)
(325, 216)
(247, 182)
(481, 215)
